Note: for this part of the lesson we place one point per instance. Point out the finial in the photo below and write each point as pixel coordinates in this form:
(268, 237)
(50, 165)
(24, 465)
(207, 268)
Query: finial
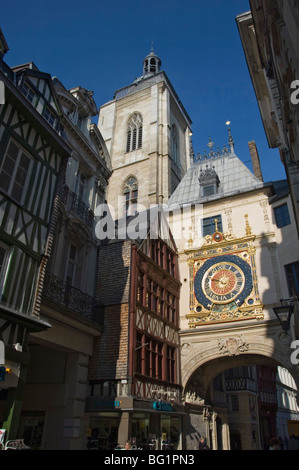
(152, 46)
(230, 138)
(216, 225)
(210, 144)
(248, 228)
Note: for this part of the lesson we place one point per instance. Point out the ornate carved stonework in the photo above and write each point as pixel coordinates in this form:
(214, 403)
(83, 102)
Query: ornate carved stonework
(223, 279)
(232, 346)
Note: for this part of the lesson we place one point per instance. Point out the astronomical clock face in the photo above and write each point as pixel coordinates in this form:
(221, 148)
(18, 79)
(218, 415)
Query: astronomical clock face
(223, 281)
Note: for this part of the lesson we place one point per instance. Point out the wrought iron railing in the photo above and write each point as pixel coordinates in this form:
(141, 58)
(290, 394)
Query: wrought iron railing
(57, 290)
(74, 203)
(240, 383)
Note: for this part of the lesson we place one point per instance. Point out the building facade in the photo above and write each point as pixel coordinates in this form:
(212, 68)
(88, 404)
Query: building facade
(269, 35)
(233, 261)
(135, 384)
(147, 133)
(33, 159)
(69, 303)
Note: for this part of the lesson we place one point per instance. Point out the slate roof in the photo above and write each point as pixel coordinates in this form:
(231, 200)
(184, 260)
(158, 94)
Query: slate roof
(234, 177)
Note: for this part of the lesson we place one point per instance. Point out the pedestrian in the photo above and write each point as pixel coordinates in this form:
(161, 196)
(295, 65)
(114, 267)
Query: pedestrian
(202, 444)
(274, 444)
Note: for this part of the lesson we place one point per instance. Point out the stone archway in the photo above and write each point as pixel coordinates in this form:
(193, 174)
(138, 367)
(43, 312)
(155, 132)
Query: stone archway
(208, 352)
(214, 350)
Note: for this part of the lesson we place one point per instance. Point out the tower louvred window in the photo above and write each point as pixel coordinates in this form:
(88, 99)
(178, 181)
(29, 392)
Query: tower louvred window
(134, 133)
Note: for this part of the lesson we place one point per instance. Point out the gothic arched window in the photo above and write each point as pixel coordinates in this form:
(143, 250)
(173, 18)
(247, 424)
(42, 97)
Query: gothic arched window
(131, 195)
(174, 144)
(134, 133)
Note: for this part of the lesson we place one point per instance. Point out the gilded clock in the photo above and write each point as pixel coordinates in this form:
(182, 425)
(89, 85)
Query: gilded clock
(223, 280)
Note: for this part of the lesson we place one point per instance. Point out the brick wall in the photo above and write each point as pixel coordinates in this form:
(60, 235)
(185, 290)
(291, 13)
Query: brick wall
(114, 273)
(110, 357)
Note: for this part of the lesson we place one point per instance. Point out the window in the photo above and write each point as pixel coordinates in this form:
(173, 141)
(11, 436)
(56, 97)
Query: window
(81, 185)
(28, 92)
(14, 171)
(211, 224)
(170, 364)
(71, 265)
(131, 195)
(4, 260)
(49, 116)
(134, 133)
(174, 144)
(149, 357)
(208, 190)
(282, 216)
(292, 274)
(235, 402)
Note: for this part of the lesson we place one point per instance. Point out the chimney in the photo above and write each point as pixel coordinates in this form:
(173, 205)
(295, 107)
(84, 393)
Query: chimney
(255, 160)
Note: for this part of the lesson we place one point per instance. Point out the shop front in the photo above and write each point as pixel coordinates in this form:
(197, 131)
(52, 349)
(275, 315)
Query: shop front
(148, 425)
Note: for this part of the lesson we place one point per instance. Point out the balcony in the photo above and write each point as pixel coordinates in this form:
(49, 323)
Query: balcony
(77, 206)
(57, 291)
(236, 384)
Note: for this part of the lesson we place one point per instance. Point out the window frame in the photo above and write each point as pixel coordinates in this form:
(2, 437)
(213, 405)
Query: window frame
(134, 133)
(282, 215)
(130, 193)
(210, 222)
(4, 266)
(17, 169)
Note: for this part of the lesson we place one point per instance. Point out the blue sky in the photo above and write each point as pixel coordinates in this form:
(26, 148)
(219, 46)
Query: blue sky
(100, 45)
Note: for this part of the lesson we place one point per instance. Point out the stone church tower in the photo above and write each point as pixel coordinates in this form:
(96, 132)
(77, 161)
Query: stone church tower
(147, 133)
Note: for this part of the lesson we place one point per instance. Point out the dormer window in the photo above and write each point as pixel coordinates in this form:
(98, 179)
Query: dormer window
(208, 181)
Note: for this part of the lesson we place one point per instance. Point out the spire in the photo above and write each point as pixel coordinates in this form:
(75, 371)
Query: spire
(231, 142)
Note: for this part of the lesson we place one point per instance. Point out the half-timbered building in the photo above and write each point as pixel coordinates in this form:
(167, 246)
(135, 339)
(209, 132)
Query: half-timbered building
(135, 390)
(55, 391)
(33, 159)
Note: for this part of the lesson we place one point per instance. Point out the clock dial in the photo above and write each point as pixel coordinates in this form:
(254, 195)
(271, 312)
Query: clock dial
(223, 280)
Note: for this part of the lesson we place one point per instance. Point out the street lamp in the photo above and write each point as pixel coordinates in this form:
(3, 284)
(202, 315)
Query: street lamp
(284, 312)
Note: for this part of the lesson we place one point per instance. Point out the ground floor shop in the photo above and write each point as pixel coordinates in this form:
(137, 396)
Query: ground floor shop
(147, 425)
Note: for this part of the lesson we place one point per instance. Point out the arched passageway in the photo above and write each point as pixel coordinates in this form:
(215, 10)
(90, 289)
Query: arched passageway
(216, 367)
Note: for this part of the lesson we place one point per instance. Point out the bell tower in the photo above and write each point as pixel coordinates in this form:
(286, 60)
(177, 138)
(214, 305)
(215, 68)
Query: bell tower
(147, 133)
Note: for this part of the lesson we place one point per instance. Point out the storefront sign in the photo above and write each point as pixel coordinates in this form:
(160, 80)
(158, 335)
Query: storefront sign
(107, 404)
(160, 406)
